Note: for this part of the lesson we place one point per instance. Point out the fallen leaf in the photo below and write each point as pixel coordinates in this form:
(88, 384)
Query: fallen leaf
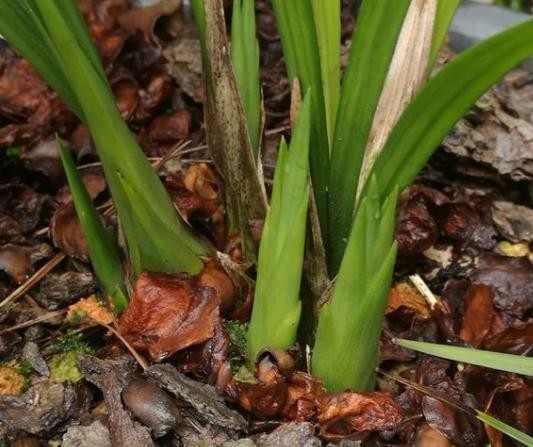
(405, 296)
(67, 234)
(144, 19)
(15, 261)
(514, 222)
(477, 319)
(169, 313)
(511, 280)
(347, 414)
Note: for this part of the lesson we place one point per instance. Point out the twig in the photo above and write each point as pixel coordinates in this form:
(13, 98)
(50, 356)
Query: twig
(34, 279)
(47, 316)
(130, 348)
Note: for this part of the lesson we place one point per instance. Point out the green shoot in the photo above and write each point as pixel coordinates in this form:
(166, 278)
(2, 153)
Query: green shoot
(373, 44)
(445, 12)
(496, 360)
(245, 62)
(327, 15)
(103, 249)
(277, 305)
(345, 354)
(298, 34)
(52, 36)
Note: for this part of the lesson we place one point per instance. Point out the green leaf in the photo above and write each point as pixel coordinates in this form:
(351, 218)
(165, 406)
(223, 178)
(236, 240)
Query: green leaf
(345, 354)
(66, 56)
(506, 429)
(245, 62)
(445, 12)
(327, 15)
(444, 100)
(103, 249)
(496, 360)
(373, 43)
(277, 306)
(227, 131)
(299, 39)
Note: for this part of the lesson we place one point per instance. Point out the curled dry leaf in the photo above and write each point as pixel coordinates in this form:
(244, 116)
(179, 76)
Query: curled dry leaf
(477, 319)
(405, 297)
(67, 234)
(345, 414)
(15, 261)
(208, 358)
(94, 183)
(168, 313)
(278, 394)
(144, 19)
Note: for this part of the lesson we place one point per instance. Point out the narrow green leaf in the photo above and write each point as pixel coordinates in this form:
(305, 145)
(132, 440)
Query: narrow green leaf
(298, 34)
(445, 12)
(350, 324)
(245, 62)
(327, 15)
(277, 306)
(444, 100)
(496, 360)
(373, 43)
(103, 249)
(227, 131)
(506, 429)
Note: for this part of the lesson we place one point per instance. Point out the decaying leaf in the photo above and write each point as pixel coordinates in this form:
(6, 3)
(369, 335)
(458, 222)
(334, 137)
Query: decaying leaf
(168, 313)
(511, 279)
(143, 19)
(67, 234)
(478, 315)
(405, 296)
(346, 414)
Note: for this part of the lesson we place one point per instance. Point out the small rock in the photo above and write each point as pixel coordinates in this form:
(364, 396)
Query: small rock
(39, 409)
(94, 435)
(290, 435)
(514, 222)
(32, 354)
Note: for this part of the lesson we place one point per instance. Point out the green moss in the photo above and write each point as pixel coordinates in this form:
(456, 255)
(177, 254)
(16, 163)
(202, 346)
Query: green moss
(71, 342)
(64, 369)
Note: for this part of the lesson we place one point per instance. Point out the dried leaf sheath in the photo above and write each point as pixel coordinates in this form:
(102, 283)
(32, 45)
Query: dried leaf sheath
(227, 131)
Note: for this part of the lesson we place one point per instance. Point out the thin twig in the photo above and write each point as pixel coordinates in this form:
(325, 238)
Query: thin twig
(47, 316)
(34, 279)
(130, 348)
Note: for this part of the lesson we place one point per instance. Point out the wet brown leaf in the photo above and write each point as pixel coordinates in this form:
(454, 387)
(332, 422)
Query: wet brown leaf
(477, 319)
(170, 128)
(66, 232)
(511, 280)
(168, 313)
(347, 414)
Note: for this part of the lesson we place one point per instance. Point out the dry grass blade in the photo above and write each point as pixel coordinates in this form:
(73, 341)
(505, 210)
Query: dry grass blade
(407, 74)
